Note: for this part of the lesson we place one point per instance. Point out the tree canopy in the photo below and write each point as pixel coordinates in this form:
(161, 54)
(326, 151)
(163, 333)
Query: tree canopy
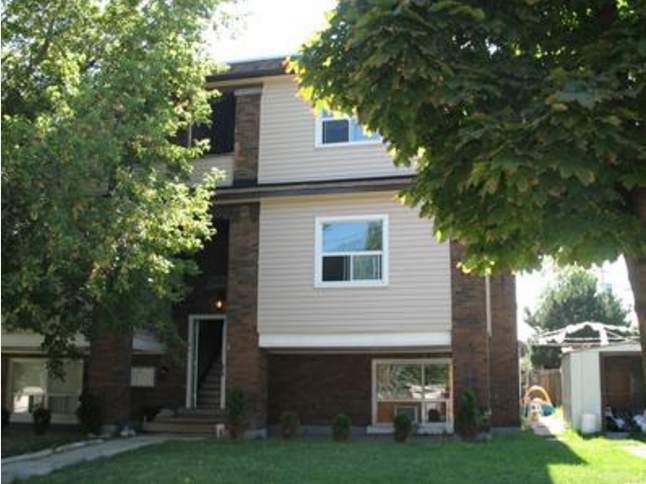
(525, 120)
(576, 297)
(97, 212)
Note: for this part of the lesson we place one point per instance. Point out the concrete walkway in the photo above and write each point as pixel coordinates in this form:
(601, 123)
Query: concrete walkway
(42, 463)
(548, 426)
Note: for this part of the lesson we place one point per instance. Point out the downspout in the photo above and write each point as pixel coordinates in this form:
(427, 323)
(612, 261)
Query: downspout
(488, 303)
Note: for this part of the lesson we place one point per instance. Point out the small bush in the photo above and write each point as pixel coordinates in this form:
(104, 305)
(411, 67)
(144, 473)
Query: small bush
(403, 427)
(289, 425)
(470, 416)
(237, 413)
(341, 427)
(6, 416)
(90, 413)
(42, 417)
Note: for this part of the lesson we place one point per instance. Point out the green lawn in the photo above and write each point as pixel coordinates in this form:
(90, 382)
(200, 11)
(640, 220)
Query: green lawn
(20, 439)
(514, 459)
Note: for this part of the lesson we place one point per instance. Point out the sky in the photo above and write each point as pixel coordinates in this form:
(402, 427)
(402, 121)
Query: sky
(273, 28)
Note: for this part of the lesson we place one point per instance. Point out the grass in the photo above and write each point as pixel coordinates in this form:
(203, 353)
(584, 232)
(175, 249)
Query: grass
(20, 439)
(522, 458)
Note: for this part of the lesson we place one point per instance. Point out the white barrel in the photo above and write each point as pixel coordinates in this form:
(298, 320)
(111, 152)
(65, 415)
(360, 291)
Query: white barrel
(589, 424)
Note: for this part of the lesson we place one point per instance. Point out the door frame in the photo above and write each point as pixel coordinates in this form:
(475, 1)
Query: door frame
(190, 355)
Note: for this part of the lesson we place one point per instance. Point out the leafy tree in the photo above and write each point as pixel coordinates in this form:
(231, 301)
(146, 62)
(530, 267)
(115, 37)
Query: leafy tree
(97, 215)
(575, 297)
(524, 118)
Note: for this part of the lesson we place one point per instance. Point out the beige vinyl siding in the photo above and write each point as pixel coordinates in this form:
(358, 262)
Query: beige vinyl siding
(287, 143)
(416, 300)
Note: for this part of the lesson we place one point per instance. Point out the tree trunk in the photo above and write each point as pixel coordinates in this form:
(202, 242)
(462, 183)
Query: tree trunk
(637, 275)
(636, 265)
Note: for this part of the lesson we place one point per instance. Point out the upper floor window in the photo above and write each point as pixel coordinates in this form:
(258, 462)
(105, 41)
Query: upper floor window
(352, 251)
(335, 130)
(221, 130)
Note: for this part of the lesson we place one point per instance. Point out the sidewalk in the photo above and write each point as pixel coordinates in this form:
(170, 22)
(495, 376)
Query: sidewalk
(548, 426)
(40, 463)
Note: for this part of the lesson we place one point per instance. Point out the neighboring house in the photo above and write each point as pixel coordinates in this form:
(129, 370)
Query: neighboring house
(321, 294)
(600, 378)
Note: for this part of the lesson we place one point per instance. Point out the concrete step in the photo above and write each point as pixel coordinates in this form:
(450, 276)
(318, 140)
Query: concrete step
(203, 412)
(168, 427)
(208, 393)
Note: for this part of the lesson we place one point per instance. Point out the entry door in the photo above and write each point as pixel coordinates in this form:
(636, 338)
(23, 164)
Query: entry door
(193, 358)
(207, 335)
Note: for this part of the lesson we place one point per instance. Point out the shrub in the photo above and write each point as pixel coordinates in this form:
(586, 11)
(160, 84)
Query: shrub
(90, 413)
(42, 418)
(6, 416)
(470, 416)
(237, 413)
(341, 427)
(289, 425)
(403, 427)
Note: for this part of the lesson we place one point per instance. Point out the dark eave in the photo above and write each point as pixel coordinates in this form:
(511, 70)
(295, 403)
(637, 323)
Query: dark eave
(323, 187)
(251, 69)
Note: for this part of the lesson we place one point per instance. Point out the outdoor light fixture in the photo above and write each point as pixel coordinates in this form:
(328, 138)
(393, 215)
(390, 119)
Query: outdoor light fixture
(219, 304)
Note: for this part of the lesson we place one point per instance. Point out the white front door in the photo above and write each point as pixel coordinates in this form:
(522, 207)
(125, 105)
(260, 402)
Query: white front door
(193, 356)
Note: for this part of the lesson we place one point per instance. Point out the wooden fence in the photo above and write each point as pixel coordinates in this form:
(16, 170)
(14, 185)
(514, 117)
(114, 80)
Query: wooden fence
(548, 379)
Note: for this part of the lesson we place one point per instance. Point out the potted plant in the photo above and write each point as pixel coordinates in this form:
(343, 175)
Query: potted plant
(289, 425)
(403, 427)
(341, 427)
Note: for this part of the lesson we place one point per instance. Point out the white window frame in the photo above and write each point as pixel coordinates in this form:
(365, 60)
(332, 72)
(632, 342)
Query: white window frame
(318, 252)
(27, 416)
(318, 139)
(423, 427)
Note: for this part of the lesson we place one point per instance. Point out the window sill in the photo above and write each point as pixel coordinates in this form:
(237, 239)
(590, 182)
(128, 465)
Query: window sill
(349, 144)
(352, 284)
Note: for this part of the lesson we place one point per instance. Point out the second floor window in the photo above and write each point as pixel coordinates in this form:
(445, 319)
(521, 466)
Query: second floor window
(334, 130)
(221, 130)
(352, 251)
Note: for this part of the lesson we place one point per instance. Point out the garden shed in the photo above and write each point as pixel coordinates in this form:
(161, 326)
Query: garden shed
(601, 377)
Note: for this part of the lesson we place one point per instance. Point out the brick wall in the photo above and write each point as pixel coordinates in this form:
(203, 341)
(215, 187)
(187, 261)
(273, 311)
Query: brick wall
(6, 400)
(247, 134)
(246, 363)
(505, 391)
(109, 375)
(469, 336)
(486, 363)
(170, 385)
(318, 387)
